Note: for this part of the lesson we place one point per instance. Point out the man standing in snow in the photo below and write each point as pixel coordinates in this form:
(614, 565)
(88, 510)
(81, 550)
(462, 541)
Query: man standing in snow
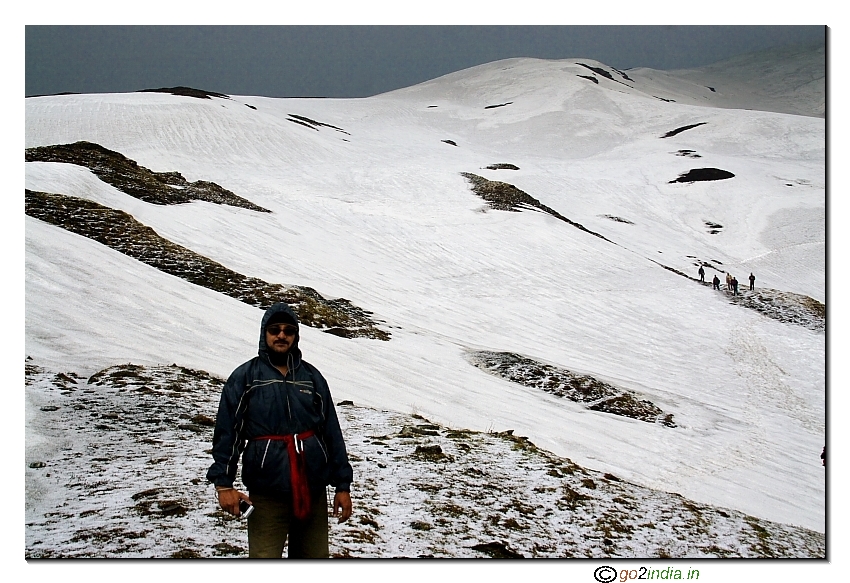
(276, 411)
(701, 274)
(716, 282)
(735, 286)
(752, 281)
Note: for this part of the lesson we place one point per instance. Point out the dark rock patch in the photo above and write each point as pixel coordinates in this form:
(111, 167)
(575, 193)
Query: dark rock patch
(498, 105)
(251, 106)
(52, 94)
(667, 100)
(507, 197)
(672, 133)
(713, 228)
(186, 92)
(315, 124)
(589, 78)
(617, 219)
(120, 231)
(703, 175)
(430, 106)
(687, 154)
(129, 177)
(497, 550)
(711, 89)
(626, 77)
(303, 123)
(597, 395)
(603, 72)
(502, 167)
(450, 142)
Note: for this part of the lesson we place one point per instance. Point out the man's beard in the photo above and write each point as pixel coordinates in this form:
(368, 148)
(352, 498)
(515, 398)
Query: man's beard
(279, 358)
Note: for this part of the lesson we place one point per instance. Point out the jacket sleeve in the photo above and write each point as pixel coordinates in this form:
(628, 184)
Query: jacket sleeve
(227, 439)
(341, 473)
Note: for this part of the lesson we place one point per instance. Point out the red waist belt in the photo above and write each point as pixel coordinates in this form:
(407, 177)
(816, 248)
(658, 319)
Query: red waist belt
(297, 470)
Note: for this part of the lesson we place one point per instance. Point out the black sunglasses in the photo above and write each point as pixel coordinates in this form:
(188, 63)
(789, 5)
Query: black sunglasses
(276, 329)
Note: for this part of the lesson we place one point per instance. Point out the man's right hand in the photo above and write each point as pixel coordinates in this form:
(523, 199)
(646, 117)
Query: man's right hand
(229, 500)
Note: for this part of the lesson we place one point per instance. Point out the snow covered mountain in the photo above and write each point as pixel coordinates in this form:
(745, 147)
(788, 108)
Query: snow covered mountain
(518, 243)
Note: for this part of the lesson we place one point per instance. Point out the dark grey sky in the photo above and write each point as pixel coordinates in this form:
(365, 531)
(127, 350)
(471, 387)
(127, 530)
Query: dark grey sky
(355, 61)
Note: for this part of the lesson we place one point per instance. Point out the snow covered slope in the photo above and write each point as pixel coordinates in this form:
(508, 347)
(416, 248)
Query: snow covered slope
(368, 203)
(784, 80)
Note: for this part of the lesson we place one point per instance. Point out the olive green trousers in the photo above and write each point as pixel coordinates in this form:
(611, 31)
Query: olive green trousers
(272, 521)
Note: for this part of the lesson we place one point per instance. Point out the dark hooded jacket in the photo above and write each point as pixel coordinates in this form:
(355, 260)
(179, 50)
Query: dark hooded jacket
(258, 401)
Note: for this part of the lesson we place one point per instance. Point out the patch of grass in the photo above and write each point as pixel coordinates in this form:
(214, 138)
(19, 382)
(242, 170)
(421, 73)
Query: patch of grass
(129, 177)
(507, 197)
(454, 510)
(573, 386)
(573, 498)
(432, 453)
(512, 524)
(611, 525)
(761, 545)
(368, 521)
(785, 307)
(186, 554)
(416, 431)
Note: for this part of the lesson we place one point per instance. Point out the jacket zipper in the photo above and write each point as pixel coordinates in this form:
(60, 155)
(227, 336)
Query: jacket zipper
(268, 443)
(319, 441)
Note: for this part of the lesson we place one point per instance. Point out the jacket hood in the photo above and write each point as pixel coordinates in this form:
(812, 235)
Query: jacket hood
(294, 351)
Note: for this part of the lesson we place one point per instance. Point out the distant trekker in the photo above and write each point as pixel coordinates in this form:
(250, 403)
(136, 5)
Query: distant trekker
(701, 274)
(716, 282)
(752, 281)
(728, 281)
(735, 286)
